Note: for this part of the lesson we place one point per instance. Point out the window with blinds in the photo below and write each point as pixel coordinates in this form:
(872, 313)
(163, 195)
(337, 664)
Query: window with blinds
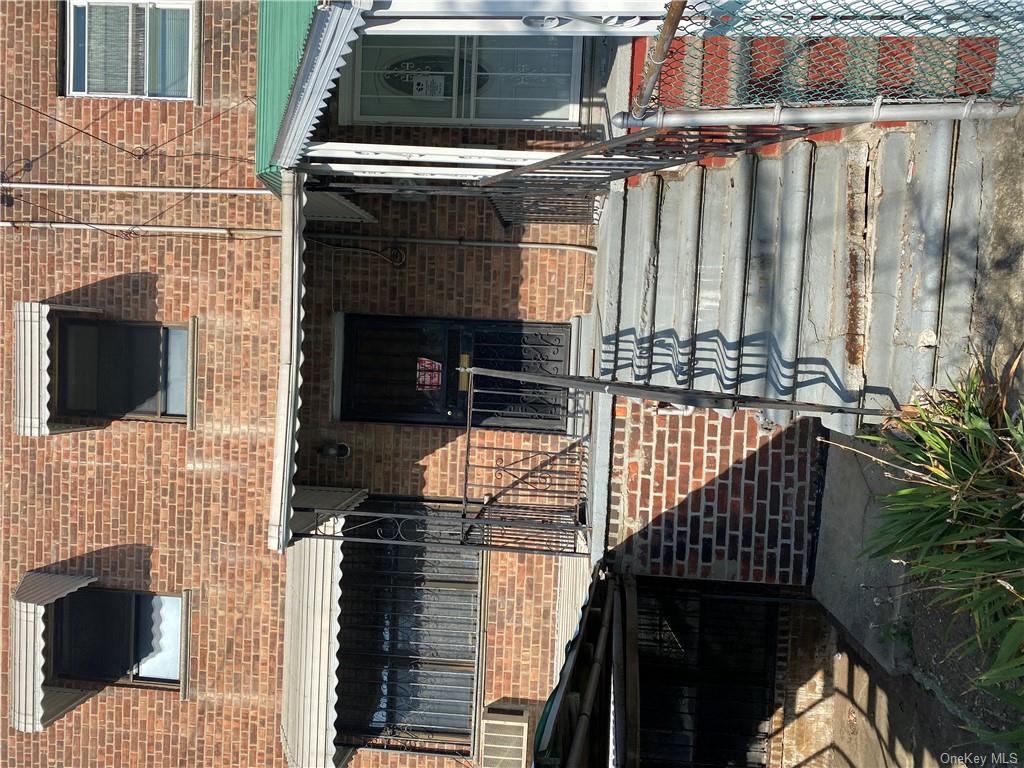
(130, 49)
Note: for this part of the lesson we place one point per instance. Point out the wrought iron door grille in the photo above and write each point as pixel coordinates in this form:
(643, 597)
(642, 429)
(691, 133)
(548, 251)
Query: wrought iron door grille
(529, 348)
(408, 645)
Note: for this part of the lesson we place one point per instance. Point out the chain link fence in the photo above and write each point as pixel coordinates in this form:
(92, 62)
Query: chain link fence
(768, 52)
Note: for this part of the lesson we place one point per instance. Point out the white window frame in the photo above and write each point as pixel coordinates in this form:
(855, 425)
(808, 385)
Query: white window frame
(69, 59)
(350, 114)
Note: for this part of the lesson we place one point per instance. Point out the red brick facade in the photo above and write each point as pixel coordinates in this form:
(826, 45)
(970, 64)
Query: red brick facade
(490, 283)
(712, 496)
(149, 505)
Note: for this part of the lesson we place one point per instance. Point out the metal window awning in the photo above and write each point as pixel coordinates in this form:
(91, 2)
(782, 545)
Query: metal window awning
(33, 414)
(33, 704)
(312, 611)
(32, 369)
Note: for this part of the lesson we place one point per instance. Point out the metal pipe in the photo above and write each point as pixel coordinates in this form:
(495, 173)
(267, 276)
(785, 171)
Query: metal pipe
(131, 230)
(29, 185)
(657, 55)
(460, 241)
(579, 738)
(677, 395)
(846, 114)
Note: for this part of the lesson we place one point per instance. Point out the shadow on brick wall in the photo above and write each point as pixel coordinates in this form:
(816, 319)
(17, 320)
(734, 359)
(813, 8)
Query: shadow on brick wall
(709, 496)
(133, 297)
(90, 621)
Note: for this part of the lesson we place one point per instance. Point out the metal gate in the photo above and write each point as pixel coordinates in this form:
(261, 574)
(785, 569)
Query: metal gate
(408, 646)
(706, 671)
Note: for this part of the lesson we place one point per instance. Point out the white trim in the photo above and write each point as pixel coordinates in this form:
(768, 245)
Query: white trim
(427, 8)
(338, 150)
(337, 362)
(350, 113)
(401, 171)
(525, 25)
(188, 5)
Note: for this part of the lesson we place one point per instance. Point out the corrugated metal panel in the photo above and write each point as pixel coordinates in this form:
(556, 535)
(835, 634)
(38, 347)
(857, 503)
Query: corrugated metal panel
(284, 25)
(323, 497)
(311, 649)
(812, 275)
(335, 27)
(33, 705)
(574, 576)
(32, 378)
(330, 206)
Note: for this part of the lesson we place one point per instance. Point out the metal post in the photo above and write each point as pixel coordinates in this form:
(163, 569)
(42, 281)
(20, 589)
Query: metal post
(794, 116)
(656, 57)
(675, 395)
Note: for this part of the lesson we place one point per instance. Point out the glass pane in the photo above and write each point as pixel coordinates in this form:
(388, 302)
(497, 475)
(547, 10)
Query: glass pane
(407, 77)
(78, 49)
(94, 638)
(397, 369)
(175, 370)
(79, 358)
(524, 78)
(129, 370)
(157, 636)
(168, 51)
(108, 48)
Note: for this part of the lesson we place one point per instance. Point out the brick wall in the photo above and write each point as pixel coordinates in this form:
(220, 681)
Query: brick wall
(443, 281)
(802, 724)
(711, 496)
(146, 505)
(540, 285)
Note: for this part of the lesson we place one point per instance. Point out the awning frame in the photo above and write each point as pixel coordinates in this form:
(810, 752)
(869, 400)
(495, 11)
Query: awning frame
(33, 704)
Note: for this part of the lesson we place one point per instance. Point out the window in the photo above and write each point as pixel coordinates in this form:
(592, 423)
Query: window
(112, 636)
(406, 370)
(118, 369)
(493, 80)
(130, 49)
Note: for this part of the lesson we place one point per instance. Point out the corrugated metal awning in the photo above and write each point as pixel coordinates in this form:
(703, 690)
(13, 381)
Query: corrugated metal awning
(335, 27)
(34, 705)
(330, 206)
(311, 628)
(289, 378)
(32, 369)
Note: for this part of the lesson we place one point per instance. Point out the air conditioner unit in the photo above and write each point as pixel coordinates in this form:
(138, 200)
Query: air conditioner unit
(504, 738)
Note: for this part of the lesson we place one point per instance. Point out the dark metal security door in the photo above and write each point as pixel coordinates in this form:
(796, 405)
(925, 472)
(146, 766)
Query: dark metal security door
(706, 670)
(408, 645)
(406, 370)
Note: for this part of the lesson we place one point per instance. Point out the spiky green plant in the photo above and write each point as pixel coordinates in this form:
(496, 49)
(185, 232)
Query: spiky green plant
(958, 518)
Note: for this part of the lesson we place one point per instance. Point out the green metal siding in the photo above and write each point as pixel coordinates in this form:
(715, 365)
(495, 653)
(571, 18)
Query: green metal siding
(284, 25)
